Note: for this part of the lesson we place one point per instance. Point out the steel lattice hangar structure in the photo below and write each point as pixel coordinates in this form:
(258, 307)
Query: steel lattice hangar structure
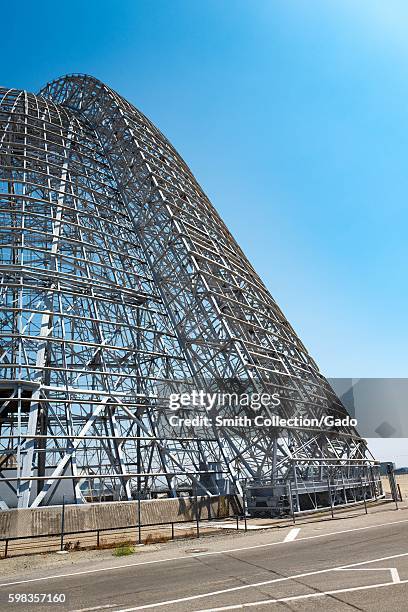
(121, 285)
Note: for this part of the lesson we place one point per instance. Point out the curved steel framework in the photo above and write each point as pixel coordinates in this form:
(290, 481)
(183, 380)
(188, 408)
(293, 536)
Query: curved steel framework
(120, 284)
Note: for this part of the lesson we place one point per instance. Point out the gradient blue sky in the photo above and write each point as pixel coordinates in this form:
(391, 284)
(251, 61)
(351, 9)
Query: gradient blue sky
(294, 118)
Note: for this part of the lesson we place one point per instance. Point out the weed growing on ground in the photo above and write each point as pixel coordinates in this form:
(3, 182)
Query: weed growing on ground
(123, 549)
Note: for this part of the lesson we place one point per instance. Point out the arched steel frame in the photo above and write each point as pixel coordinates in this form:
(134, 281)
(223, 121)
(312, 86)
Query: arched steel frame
(120, 285)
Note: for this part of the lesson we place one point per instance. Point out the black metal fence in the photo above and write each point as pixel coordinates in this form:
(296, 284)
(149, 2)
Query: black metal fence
(137, 528)
(241, 515)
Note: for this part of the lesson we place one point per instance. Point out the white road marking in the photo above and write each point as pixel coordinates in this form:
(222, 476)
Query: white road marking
(393, 571)
(260, 584)
(203, 554)
(395, 575)
(297, 597)
(292, 535)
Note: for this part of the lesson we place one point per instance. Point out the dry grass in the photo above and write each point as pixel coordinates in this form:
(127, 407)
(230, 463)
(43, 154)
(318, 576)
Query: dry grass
(156, 539)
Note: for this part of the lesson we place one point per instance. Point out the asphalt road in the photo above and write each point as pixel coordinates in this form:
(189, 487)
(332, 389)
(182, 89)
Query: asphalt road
(356, 564)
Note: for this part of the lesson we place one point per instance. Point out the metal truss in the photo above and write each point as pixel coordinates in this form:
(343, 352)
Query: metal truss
(120, 284)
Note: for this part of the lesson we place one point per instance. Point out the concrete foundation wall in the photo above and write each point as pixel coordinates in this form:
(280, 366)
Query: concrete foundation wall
(41, 521)
(401, 479)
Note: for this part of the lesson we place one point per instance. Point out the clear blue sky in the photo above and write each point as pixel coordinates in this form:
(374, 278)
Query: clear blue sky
(294, 118)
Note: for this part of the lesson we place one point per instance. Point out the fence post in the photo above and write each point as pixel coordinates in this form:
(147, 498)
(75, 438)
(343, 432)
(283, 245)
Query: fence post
(393, 484)
(373, 481)
(363, 491)
(6, 549)
(62, 524)
(244, 507)
(330, 496)
(395, 496)
(368, 482)
(172, 531)
(97, 538)
(196, 513)
(292, 509)
(139, 514)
